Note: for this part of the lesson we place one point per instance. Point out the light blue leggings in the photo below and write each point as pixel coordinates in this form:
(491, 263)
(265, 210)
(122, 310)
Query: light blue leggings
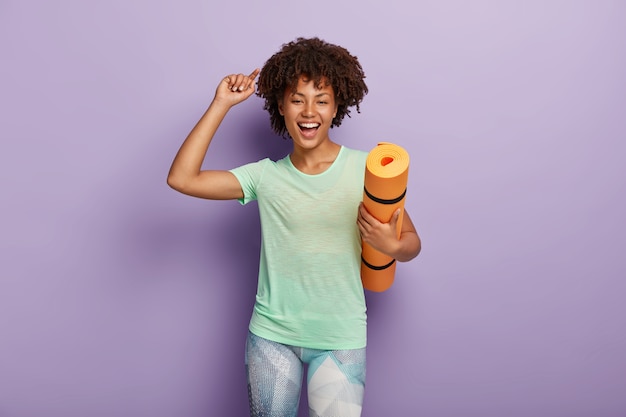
(335, 379)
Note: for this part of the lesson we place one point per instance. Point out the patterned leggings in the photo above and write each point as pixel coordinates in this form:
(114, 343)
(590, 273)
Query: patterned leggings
(335, 379)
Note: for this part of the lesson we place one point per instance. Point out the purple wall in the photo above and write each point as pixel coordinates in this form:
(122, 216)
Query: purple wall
(120, 297)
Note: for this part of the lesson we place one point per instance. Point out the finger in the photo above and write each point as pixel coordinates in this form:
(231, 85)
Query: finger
(395, 217)
(242, 83)
(360, 215)
(254, 73)
(228, 80)
(367, 216)
(237, 83)
(362, 230)
(233, 85)
(231, 81)
(249, 81)
(361, 223)
(362, 210)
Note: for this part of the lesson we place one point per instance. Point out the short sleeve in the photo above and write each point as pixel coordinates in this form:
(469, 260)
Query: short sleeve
(249, 177)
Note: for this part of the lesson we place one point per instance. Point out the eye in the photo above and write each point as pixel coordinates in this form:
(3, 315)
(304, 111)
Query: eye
(322, 102)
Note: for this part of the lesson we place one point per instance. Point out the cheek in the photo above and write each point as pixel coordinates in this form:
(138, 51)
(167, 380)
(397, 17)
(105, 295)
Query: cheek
(287, 113)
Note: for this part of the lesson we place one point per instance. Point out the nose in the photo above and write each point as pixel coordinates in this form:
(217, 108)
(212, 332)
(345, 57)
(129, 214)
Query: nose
(308, 110)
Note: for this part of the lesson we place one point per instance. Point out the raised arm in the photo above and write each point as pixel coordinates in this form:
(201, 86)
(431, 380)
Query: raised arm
(382, 236)
(186, 175)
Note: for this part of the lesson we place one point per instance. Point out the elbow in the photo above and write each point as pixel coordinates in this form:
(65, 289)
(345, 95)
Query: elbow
(414, 254)
(418, 248)
(408, 257)
(171, 181)
(175, 183)
(412, 249)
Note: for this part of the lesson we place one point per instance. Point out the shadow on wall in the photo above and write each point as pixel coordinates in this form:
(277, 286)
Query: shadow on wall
(201, 257)
(193, 262)
(224, 241)
(163, 284)
(200, 265)
(260, 141)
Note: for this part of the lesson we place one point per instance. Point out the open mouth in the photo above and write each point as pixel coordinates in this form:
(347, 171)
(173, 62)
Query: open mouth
(308, 129)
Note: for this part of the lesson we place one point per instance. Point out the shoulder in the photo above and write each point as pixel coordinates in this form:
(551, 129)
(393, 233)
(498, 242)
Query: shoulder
(261, 170)
(355, 156)
(352, 151)
(252, 171)
(254, 166)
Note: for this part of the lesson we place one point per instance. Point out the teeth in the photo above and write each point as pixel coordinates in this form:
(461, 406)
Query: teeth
(309, 125)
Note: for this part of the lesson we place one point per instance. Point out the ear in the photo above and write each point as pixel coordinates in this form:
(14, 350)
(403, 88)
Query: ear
(281, 110)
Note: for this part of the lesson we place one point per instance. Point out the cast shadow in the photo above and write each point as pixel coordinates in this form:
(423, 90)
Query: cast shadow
(161, 230)
(162, 238)
(211, 254)
(260, 140)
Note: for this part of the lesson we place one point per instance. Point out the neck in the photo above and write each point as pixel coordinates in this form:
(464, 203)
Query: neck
(316, 160)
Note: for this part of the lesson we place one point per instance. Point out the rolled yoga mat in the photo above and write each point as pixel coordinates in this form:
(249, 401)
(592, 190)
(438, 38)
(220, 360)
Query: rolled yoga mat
(386, 176)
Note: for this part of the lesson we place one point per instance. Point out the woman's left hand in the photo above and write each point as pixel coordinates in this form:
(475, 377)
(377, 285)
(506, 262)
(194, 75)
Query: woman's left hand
(381, 236)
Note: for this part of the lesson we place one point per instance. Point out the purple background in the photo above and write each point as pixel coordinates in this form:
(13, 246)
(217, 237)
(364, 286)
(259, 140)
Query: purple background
(121, 297)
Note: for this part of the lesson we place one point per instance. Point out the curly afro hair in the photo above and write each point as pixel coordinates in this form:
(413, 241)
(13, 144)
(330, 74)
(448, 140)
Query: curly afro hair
(319, 61)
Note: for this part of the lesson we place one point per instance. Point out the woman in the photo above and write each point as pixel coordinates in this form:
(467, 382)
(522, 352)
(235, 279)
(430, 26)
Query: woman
(310, 305)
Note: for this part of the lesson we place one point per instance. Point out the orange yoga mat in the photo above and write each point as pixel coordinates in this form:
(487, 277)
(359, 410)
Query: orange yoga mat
(386, 176)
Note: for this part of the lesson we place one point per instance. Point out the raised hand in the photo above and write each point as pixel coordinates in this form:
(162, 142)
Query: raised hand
(235, 88)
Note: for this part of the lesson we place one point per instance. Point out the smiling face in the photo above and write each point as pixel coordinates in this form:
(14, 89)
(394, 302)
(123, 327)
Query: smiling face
(308, 112)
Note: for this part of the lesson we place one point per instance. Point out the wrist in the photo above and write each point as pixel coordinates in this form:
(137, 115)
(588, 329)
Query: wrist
(221, 105)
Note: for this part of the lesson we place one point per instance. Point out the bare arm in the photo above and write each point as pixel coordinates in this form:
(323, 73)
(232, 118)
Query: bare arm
(185, 174)
(382, 236)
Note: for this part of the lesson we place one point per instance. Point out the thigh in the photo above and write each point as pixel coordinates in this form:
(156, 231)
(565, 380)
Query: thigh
(274, 378)
(336, 383)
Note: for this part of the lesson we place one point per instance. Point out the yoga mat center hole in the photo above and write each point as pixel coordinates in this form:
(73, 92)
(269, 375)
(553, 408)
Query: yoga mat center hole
(386, 161)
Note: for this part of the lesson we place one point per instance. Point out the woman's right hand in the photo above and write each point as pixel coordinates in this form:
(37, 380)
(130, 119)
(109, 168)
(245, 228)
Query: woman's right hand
(235, 88)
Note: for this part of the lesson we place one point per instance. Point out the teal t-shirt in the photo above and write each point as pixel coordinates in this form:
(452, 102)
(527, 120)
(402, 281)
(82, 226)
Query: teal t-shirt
(309, 289)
